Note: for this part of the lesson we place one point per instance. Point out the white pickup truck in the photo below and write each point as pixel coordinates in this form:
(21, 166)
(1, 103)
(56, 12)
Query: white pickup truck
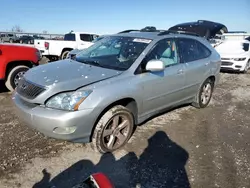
(59, 49)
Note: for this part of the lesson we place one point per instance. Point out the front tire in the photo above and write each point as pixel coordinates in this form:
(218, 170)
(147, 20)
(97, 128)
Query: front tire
(246, 67)
(14, 76)
(113, 130)
(204, 94)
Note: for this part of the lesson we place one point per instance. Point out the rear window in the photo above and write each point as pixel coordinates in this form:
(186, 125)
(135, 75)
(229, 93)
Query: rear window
(70, 37)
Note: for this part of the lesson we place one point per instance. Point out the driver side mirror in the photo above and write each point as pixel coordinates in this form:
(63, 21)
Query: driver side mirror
(155, 65)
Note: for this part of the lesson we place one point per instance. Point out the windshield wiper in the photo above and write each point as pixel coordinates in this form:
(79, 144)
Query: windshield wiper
(90, 62)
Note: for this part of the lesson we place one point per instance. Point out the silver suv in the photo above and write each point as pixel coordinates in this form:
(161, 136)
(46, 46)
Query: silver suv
(116, 84)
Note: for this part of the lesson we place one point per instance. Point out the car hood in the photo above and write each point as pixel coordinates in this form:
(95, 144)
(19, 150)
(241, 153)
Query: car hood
(68, 75)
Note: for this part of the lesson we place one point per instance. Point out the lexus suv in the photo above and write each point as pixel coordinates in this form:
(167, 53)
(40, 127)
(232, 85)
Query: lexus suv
(115, 84)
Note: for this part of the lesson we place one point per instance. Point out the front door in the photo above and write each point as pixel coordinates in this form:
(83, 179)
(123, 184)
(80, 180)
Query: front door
(162, 89)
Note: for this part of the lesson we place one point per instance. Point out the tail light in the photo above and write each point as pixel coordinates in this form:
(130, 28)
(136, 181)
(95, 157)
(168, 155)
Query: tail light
(46, 45)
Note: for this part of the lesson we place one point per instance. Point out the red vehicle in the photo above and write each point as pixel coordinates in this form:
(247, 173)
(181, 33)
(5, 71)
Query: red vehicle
(97, 180)
(15, 60)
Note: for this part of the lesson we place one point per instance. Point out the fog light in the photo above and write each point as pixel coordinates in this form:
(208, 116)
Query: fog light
(238, 66)
(64, 130)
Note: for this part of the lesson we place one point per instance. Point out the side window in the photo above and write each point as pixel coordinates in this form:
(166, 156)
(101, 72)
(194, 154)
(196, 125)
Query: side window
(204, 52)
(188, 50)
(246, 47)
(86, 37)
(192, 50)
(165, 50)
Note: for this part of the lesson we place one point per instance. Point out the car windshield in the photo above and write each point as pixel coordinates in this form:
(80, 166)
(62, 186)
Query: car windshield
(113, 52)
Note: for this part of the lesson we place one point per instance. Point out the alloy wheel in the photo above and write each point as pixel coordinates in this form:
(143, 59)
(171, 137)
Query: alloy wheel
(206, 93)
(116, 132)
(17, 77)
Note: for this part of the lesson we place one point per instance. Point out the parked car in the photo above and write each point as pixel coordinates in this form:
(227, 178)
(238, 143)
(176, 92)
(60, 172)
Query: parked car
(235, 55)
(72, 53)
(7, 37)
(56, 49)
(26, 39)
(38, 37)
(210, 30)
(15, 60)
(116, 84)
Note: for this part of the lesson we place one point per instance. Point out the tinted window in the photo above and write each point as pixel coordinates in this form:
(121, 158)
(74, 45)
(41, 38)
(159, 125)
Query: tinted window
(192, 50)
(246, 47)
(70, 37)
(165, 50)
(10, 35)
(204, 52)
(86, 37)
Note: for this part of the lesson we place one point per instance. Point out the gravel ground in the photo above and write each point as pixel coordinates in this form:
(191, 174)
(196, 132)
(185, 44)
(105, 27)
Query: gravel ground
(185, 147)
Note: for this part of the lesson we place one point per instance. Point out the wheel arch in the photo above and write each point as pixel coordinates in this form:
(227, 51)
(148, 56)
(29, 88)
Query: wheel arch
(13, 64)
(128, 102)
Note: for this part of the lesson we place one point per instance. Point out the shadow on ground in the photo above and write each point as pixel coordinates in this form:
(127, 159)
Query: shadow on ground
(3, 89)
(162, 164)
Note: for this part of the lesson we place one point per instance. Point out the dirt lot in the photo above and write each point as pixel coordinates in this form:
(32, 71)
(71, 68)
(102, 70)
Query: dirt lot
(186, 147)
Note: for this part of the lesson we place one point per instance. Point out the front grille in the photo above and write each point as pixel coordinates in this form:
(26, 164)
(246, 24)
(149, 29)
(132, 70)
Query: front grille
(225, 58)
(28, 89)
(226, 63)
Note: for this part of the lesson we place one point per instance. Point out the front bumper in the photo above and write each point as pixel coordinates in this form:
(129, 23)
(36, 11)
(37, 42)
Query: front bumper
(231, 65)
(48, 121)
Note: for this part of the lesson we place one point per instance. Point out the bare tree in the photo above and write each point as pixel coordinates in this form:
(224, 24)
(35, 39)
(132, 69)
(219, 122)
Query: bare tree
(17, 29)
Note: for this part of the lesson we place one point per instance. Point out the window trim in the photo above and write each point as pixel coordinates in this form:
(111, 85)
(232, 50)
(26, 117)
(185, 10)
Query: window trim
(138, 71)
(197, 41)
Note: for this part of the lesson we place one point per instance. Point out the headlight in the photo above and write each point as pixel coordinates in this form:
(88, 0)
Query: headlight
(68, 101)
(239, 59)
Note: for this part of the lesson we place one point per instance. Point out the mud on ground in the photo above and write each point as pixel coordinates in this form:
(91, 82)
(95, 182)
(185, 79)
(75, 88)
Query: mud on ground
(186, 147)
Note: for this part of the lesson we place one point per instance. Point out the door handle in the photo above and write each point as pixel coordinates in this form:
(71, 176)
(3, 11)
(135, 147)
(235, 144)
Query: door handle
(180, 71)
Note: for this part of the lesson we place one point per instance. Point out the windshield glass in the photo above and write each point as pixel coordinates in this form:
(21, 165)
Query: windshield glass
(114, 52)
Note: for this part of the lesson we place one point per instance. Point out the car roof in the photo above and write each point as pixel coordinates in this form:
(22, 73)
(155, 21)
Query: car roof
(146, 35)
(157, 35)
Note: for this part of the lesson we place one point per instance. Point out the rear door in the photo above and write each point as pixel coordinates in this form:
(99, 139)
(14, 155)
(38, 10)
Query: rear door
(196, 59)
(85, 41)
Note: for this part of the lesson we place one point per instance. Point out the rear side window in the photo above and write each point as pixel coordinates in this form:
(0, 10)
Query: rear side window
(192, 50)
(70, 37)
(245, 47)
(204, 52)
(86, 37)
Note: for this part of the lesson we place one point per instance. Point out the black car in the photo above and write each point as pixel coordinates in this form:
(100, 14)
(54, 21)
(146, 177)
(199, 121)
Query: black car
(26, 39)
(203, 28)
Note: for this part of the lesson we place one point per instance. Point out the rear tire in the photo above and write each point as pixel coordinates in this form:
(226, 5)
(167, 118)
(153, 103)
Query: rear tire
(64, 54)
(13, 76)
(113, 130)
(204, 94)
(246, 67)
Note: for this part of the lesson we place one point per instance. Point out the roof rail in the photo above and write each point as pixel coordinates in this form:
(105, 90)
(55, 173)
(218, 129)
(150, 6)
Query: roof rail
(128, 31)
(177, 32)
